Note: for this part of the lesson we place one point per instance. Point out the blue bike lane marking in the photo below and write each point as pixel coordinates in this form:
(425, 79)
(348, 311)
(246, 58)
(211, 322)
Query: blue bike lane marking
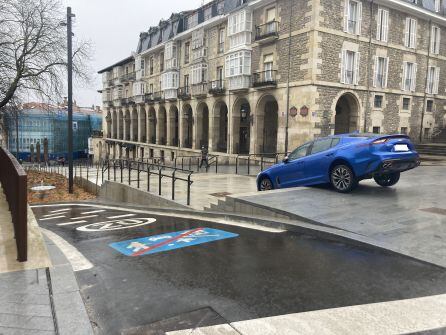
(170, 241)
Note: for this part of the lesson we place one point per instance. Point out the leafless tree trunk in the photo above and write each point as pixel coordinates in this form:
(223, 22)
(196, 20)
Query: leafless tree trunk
(33, 50)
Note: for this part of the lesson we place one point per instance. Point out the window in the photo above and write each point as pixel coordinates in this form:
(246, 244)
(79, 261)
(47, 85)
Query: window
(220, 74)
(406, 104)
(142, 65)
(429, 105)
(378, 101)
(376, 130)
(186, 52)
(221, 40)
(169, 80)
(186, 83)
(352, 17)
(410, 36)
(382, 28)
(435, 40)
(437, 5)
(161, 61)
(151, 65)
(268, 67)
(381, 69)
(142, 88)
(321, 145)
(238, 63)
(433, 76)
(403, 130)
(151, 88)
(271, 20)
(350, 67)
(239, 28)
(199, 74)
(299, 152)
(409, 77)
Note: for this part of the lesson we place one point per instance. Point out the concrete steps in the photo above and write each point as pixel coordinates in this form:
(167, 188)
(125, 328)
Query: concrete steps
(431, 149)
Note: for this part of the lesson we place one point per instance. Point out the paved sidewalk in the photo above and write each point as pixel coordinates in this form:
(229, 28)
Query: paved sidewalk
(410, 217)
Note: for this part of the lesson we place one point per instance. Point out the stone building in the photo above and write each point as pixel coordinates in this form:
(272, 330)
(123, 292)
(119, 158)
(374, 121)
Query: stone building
(261, 76)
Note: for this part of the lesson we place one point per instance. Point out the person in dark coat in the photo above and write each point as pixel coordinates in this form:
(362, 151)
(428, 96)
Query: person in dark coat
(204, 156)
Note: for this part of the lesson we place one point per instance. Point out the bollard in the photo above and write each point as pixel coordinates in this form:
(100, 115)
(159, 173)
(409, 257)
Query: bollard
(159, 181)
(188, 190)
(148, 177)
(173, 185)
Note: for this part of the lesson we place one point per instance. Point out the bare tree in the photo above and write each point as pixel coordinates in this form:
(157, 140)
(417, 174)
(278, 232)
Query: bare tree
(33, 50)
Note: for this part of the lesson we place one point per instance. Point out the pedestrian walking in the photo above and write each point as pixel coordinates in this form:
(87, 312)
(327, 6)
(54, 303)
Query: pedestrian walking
(204, 157)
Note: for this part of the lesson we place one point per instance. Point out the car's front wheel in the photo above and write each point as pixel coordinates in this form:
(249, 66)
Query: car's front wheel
(342, 178)
(265, 184)
(387, 179)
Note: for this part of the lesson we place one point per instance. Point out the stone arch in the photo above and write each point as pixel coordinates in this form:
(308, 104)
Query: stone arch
(133, 124)
(346, 113)
(120, 124)
(142, 124)
(241, 126)
(173, 126)
(202, 126)
(267, 124)
(152, 125)
(220, 127)
(187, 126)
(162, 126)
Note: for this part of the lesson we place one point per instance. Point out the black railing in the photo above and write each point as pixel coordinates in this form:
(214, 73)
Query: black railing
(260, 160)
(184, 93)
(200, 89)
(128, 76)
(269, 29)
(217, 87)
(195, 161)
(148, 97)
(14, 182)
(158, 96)
(264, 78)
(151, 167)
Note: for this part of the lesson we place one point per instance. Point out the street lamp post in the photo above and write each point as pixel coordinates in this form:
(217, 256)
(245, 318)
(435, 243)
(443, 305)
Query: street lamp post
(70, 97)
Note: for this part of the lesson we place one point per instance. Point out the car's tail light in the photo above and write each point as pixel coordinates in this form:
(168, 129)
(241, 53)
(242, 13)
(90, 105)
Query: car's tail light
(380, 141)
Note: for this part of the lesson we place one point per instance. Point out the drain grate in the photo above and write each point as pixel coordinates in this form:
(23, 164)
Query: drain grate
(434, 210)
(220, 194)
(202, 317)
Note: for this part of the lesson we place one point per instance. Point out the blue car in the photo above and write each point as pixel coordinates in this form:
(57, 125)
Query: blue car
(342, 161)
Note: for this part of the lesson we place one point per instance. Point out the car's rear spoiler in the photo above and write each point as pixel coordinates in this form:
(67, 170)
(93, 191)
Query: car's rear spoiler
(384, 138)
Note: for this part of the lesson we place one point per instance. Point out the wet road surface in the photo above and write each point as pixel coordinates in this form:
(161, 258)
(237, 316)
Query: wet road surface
(251, 275)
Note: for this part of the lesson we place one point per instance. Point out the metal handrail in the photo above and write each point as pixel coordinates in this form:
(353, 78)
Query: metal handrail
(262, 156)
(14, 183)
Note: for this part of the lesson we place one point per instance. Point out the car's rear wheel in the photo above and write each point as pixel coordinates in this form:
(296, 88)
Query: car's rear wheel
(342, 178)
(265, 184)
(387, 179)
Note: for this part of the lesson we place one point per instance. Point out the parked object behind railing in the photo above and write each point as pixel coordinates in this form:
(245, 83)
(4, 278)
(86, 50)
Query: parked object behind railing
(14, 183)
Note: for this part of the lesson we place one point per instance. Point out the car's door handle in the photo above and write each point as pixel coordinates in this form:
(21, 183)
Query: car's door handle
(328, 155)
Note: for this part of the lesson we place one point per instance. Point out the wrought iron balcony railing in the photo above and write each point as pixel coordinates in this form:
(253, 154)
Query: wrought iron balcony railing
(264, 78)
(267, 30)
(158, 96)
(184, 93)
(217, 87)
(200, 89)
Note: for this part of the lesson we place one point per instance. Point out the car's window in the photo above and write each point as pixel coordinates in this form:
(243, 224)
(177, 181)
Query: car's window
(299, 152)
(321, 145)
(335, 141)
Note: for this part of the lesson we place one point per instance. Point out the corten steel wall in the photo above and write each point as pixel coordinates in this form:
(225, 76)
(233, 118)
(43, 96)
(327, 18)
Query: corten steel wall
(14, 183)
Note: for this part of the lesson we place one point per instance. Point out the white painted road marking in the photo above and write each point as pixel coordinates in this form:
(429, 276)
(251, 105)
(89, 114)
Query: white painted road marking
(61, 210)
(68, 223)
(76, 259)
(121, 216)
(93, 212)
(52, 218)
(116, 224)
(84, 217)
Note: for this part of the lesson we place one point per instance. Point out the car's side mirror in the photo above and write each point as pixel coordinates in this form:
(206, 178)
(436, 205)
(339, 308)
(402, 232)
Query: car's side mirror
(286, 159)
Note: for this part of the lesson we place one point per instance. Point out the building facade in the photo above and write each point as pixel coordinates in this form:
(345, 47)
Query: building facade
(264, 76)
(37, 122)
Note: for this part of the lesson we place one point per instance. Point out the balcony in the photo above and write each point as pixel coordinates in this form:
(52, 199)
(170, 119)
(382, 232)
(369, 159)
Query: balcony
(200, 90)
(217, 87)
(239, 83)
(128, 77)
(127, 101)
(139, 99)
(267, 32)
(264, 79)
(158, 96)
(184, 93)
(148, 98)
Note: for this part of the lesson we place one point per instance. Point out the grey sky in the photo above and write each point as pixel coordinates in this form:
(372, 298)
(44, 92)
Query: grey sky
(113, 26)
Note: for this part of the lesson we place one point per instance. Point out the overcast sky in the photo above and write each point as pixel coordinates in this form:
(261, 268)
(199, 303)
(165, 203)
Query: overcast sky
(113, 27)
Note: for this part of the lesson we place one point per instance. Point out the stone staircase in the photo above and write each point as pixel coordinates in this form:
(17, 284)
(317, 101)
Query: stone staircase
(433, 149)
